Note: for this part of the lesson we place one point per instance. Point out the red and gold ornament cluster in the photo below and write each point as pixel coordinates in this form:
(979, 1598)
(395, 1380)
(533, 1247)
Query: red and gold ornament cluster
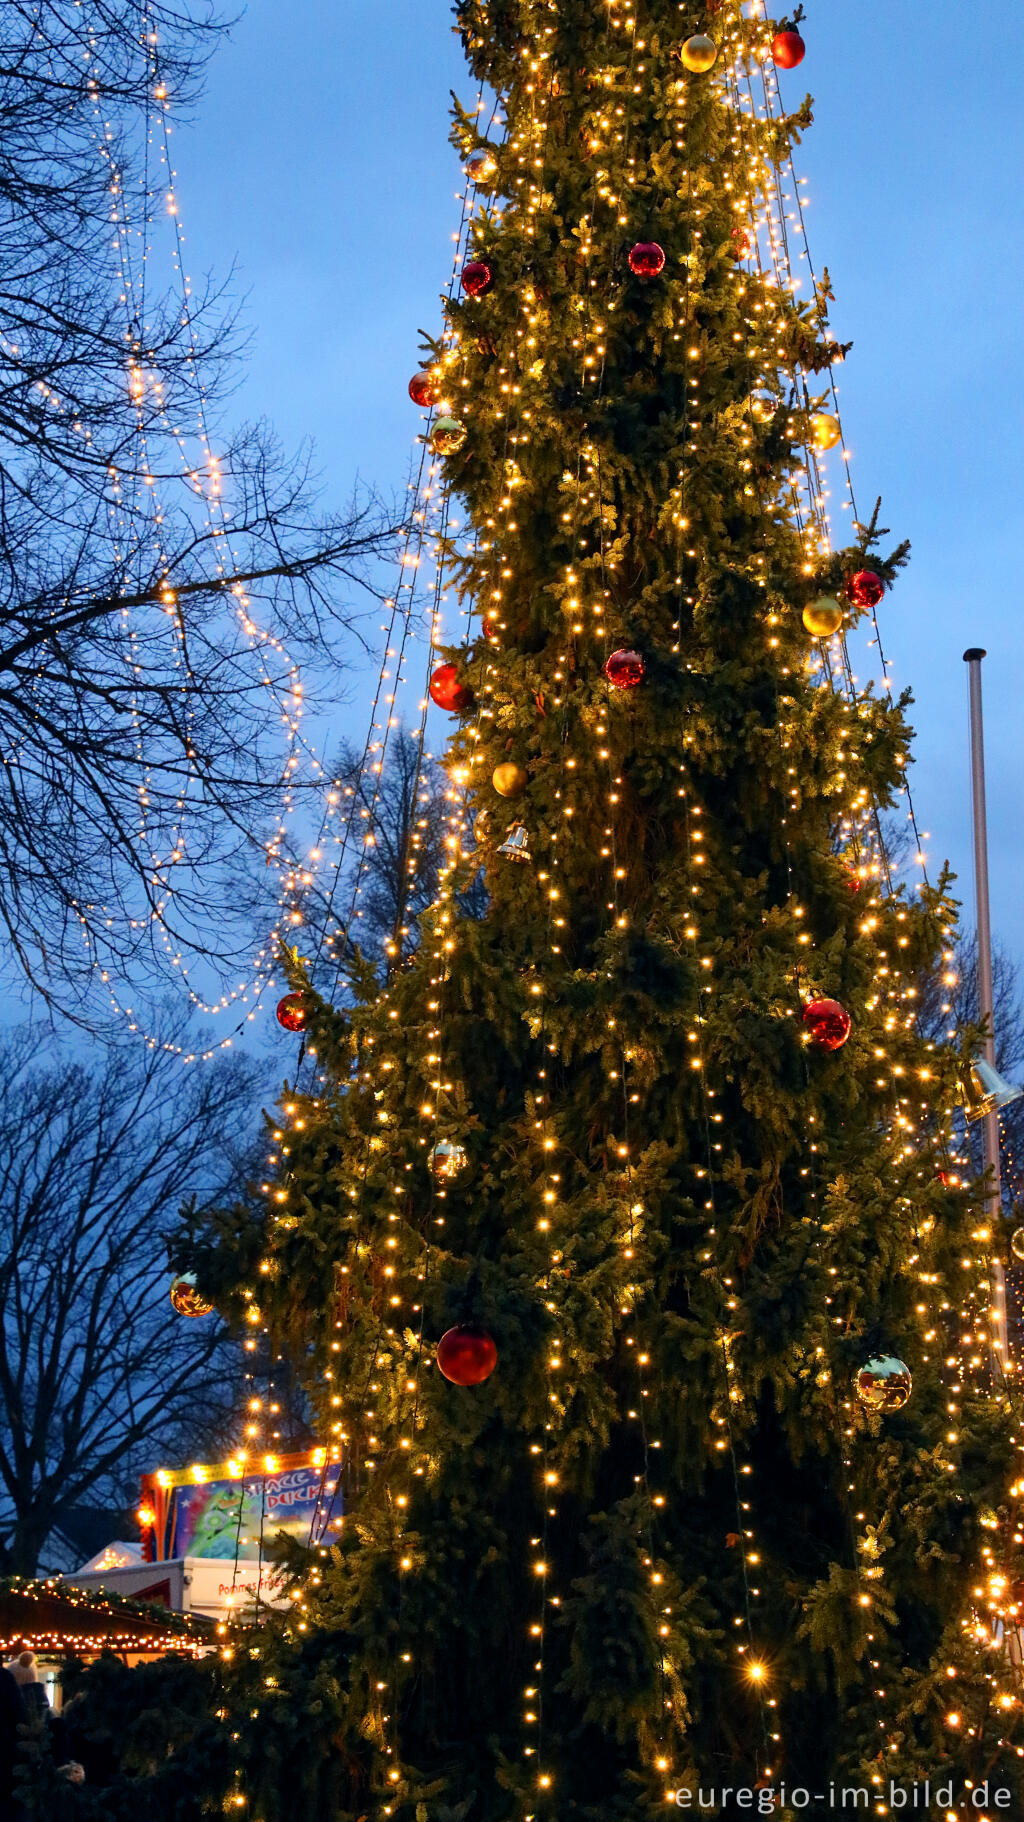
(466, 1354)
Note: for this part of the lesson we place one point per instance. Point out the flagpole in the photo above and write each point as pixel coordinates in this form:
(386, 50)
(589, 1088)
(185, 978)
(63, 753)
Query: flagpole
(990, 1124)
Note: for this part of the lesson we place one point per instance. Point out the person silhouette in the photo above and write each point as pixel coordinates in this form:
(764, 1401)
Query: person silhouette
(13, 1717)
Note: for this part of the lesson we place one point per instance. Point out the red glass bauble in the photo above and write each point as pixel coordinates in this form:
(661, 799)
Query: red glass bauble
(423, 388)
(828, 1023)
(865, 589)
(742, 241)
(291, 1012)
(788, 50)
(854, 882)
(646, 259)
(448, 690)
(624, 670)
(477, 277)
(488, 628)
(467, 1355)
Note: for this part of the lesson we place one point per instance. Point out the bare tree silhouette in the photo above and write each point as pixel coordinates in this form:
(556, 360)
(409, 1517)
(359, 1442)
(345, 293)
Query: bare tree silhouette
(158, 584)
(96, 1368)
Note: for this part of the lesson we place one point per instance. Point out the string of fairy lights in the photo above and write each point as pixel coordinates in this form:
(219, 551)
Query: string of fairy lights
(435, 493)
(655, 1501)
(427, 536)
(146, 519)
(533, 1693)
(137, 512)
(287, 691)
(974, 1352)
(910, 1135)
(899, 1120)
(51, 1615)
(542, 1567)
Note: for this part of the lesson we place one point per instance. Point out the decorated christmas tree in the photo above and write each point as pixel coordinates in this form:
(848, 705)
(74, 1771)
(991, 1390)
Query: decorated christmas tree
(616, 1227)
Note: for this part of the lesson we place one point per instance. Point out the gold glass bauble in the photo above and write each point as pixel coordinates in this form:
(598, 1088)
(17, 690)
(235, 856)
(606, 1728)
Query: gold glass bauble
(447, 435)
(187, 1300)
(823, 617)
(826, 430)
(1017, 1243)
(447, 1159)
(698, 54)
(509, 779)
(481, 165)
(884, 1384)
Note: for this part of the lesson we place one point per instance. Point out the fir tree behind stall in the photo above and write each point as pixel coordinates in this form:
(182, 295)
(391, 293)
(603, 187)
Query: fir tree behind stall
(614, 1228)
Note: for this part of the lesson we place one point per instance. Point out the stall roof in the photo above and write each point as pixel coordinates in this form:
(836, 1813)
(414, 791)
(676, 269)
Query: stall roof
(51, 1617)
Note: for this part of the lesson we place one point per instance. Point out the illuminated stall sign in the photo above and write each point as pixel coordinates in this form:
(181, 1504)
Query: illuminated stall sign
(226, 1511)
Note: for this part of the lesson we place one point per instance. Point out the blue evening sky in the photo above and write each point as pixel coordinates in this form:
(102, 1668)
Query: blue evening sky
(320, 159)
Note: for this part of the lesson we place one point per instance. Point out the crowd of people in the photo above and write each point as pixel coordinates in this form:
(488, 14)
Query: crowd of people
(25, 1713)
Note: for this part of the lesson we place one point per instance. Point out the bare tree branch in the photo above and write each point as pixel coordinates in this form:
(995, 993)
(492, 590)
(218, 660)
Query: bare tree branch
(159, 583)
(95, 1366)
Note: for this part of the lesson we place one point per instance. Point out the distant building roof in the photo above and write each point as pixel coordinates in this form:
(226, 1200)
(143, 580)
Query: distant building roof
(112, 1556)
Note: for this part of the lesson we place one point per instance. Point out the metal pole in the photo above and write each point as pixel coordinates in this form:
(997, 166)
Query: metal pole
(990, 1124)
